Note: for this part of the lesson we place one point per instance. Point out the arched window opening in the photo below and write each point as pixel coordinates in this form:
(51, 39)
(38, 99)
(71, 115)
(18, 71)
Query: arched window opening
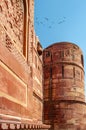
(82, 60)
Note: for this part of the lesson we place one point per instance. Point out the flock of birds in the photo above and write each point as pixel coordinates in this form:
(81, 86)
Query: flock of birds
(50, 23)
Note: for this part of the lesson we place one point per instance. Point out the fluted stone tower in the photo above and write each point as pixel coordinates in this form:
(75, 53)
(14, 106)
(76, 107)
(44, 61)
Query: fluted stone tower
(64, 99)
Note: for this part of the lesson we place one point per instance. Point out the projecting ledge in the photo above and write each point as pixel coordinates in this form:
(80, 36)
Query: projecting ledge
(12, 125)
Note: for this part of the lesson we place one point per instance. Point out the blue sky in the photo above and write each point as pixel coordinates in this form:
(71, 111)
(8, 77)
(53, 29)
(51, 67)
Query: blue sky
(61, 20)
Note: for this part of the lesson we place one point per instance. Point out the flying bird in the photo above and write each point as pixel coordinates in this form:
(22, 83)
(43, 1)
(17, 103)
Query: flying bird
(49, 23)
(46, 18)
(50, 26)
(60, 22)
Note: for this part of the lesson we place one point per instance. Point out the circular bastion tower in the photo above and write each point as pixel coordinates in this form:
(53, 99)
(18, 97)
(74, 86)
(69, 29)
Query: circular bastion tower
(64, 94)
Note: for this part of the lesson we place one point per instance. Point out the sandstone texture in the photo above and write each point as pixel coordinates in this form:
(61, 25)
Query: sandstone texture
(64, 99)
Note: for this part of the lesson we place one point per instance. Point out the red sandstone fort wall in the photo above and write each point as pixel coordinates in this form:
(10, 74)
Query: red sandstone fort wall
(13, 76)
(21, 90)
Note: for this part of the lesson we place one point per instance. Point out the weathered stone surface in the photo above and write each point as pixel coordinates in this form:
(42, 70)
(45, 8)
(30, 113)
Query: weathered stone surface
(21, 75)
(64, 99)
(21, 84)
